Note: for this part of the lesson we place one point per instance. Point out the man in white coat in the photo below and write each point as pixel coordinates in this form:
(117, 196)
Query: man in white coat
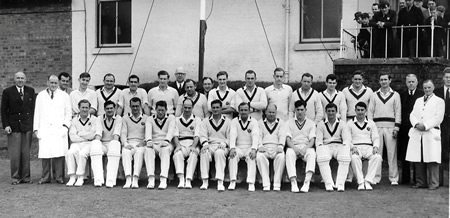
(424, 147)
(52, 116)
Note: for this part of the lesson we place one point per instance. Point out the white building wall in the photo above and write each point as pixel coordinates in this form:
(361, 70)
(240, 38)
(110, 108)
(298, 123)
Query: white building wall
(235, 41)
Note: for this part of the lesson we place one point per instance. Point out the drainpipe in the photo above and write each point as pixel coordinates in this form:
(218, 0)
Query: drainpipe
(287, 9)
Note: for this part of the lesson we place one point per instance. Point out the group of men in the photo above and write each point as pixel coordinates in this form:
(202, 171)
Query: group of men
(223, 125)
(378, 29)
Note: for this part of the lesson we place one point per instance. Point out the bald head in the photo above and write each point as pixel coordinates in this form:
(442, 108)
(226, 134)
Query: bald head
(180, 74)
(52, 82)
(271, 112)
(20, 79)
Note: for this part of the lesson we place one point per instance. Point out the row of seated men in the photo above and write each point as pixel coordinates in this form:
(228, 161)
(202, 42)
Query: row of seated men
(216, 138)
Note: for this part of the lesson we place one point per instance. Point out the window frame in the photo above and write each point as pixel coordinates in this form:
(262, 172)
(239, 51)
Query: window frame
(99, 21)
(321, 39)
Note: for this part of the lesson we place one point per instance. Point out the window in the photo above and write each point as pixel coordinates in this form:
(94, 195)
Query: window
(114, 23)
(320, 20)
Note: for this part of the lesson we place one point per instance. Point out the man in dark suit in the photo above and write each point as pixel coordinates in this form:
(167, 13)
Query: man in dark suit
(408, 17)
(408, 98)
(17, 119)
(178, 84)
(444, 93)
(383, 21)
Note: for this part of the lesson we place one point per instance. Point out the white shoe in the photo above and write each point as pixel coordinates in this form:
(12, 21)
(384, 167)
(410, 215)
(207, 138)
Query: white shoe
(181, 184)
(368, 186)
(220, 187)
(394, 183)
(109, 184)
(80, 181)
(204, 185)
(305, 187)
(251, 187)
(98, 183)
(135, 184)
(275, 188)
(72, 180)
(162, 183)
(232, 185)
(341, 188)
(361, 187)
(188, 184)
(267, 188)
(329, 188)
(151, 183)
(294, 186)
(128, 182)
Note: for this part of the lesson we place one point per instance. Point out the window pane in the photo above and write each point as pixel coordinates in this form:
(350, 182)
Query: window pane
(332, 13)
(124, 19)
(108, 22)
(311, 19)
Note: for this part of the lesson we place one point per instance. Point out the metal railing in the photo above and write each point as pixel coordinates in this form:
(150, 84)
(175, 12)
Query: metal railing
(350, 47)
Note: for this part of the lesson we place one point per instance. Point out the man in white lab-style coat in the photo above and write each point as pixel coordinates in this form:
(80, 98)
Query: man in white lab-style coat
(51, 121)
(424, 147)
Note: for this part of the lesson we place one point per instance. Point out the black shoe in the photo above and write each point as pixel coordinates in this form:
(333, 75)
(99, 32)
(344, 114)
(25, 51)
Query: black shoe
(43, 182)
(419, 186)
(60, 181)
(15, 182)
(26, 182)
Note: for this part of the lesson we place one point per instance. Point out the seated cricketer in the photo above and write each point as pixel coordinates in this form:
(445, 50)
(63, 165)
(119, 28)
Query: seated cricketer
(82, 132)
(186, 142)
(133, 142)
(109, 127)
(333, 141)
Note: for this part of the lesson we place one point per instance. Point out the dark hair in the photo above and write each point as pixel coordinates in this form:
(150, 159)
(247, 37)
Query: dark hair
(358, 72)
(307, 75)
(85, 75)
(331, 77)
(163, 72)
(242, 104)
(64, 74)
(384, 5)
(331, 105)
(217, 101)
(250, 72)
(109, 102)
(278, 69)
(383, 73)
(361, 104)
(135, 99)
(376, 4)
(221, 73)
(109, 74)
(84, 101)
(299, 103)
(205, 78)
(133, 77)
(161, 104)
(364, 15)
(427, 81)
(190, 80)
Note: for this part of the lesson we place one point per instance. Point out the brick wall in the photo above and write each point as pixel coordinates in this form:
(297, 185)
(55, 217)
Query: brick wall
(424, 68)
(36, 40)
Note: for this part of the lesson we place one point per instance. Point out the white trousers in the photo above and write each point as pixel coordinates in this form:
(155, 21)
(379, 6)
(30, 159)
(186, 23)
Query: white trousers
(219, 158)
(391, 147)
(291, 159)
(136, 153)
(262, 160)
(365, 153)
(76, 158)
(180, 156)
(251, 165)
(112, 150)
(339, 152)
(164, 156)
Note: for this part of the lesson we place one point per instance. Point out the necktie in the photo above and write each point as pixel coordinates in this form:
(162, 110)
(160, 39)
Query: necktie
(21, 93)
(447, 95)
(425, 98)
(410, 92)
(51, 95)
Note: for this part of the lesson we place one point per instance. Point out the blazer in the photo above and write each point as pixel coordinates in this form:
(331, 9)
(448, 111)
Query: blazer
(408, 104)
(439, 92)
(17, 113)
(174, 85)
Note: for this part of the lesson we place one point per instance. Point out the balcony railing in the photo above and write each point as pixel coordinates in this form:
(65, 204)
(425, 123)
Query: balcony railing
(428, 38)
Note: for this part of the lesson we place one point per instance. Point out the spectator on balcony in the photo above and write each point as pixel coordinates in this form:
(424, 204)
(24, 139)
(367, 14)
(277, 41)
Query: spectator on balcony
(401, 4)
(375, 9)
(363, 35)
(358, 17)
(419, 4)
(383, 22)
(439, 34)
(409, 16)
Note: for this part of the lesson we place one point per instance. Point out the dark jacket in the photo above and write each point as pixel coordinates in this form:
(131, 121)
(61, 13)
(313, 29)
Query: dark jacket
(412, 17)
(174, 85)
(17, 113)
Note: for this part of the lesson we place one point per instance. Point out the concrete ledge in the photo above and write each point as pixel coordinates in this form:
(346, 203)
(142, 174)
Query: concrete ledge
(392, 61)
(316, 46)
(112, 50)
